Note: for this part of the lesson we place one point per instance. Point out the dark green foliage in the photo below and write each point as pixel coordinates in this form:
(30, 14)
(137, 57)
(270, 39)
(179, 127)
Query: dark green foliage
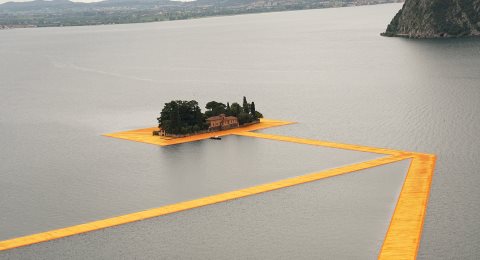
(182, 117)
(253, 112)
(246, 107)
(215, 109)
(236, 109)
(243, 118)
(258, 114)
(228, 110)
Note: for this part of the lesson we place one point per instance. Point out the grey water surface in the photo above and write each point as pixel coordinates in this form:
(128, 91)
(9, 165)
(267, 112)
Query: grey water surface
(328, 69)
(75, 187)
(336, 218)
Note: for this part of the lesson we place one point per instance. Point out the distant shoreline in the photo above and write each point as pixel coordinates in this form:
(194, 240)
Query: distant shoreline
(175, 18)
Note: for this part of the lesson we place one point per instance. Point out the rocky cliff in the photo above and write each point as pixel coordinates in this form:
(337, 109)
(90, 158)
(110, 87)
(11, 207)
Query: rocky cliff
(436, 18)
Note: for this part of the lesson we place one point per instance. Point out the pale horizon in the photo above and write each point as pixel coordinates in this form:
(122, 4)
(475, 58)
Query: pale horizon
(85, 1)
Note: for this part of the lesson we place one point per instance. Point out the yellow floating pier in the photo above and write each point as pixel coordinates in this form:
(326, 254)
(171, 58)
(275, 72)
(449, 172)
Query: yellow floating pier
(405, 232)
(145, 135)
(297, 140)
(402, 239)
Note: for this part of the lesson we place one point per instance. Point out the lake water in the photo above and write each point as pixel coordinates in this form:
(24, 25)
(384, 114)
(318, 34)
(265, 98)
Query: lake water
(344, 217)
(327, 69)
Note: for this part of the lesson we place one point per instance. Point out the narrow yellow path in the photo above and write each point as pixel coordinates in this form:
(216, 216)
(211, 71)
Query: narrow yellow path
(402, 239)
(404, 234)
(353, 147)
(96, 225)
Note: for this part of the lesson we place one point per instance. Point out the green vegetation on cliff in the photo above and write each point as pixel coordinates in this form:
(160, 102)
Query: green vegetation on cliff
(436, 18)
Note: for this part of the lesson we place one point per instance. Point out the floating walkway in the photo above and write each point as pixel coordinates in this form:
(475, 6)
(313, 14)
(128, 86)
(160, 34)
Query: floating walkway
(402, 238)
(145, 135)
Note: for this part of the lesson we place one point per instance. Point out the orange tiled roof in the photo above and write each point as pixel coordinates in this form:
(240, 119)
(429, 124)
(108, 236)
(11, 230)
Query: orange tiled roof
(213, 118)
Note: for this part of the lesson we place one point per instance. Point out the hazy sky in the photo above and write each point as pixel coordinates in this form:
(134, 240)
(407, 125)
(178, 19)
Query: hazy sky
(86, 1)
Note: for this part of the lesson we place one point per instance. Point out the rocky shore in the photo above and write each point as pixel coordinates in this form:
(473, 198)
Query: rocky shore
(436, 19)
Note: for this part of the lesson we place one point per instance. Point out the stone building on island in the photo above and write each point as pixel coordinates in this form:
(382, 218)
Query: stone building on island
(222, 122)
(215, 123)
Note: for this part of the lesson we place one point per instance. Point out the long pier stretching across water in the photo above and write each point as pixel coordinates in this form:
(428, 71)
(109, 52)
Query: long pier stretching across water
(402, 238)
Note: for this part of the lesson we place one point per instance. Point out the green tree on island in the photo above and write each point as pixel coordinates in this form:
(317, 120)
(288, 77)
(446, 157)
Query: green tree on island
(246, 107)
(215, 108)
(255, 114)
(228, 110)
(252, 110)
(236, 109)
(182, 117)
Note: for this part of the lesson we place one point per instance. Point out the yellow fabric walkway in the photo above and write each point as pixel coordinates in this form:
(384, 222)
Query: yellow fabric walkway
(402, 238)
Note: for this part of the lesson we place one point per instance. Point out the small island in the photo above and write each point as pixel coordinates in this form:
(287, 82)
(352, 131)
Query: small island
(181, 118)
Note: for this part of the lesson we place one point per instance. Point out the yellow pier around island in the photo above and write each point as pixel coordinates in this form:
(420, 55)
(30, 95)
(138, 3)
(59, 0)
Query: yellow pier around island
(144, 135)
(402, 238)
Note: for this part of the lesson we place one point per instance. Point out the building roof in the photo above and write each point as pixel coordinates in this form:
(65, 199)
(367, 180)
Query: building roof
(214, 118)
(221, 117)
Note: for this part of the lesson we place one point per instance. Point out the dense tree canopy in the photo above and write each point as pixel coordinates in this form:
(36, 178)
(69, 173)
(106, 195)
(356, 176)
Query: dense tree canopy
(236, 109)
(215, 108)
(182, 117)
